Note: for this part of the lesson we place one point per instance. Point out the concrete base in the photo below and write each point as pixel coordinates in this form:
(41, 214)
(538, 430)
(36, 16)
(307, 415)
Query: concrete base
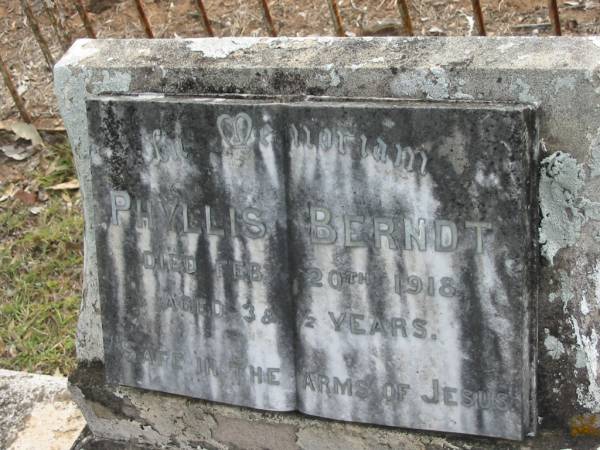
(37, 413)
(127, 418)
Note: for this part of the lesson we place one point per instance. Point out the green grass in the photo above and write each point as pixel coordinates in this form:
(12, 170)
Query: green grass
(40, 273)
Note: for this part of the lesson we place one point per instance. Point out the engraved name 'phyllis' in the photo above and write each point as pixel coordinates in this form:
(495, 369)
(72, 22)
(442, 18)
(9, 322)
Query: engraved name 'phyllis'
(396, 233)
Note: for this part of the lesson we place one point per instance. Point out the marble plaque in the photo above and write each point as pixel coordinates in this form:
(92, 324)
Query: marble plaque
(191, 232)
(369, 261)
(412, 251)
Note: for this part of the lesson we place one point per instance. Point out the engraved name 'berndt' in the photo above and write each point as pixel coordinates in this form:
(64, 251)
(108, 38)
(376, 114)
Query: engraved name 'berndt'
(399, 232)
(396, 233)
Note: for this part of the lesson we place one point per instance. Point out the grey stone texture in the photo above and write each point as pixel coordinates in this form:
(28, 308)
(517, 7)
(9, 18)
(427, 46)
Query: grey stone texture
(559, 76)
(135, 419)
(37, 412)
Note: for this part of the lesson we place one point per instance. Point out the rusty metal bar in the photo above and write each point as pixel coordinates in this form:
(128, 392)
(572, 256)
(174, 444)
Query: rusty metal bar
(554, 17)
(10, 85)
(58, 8)
(141, 9)
(478, 17)
(35, 28)
(334, 10)
(57, 25)
(87, 24)
(268, 18)
(405, 14)
(204, 17)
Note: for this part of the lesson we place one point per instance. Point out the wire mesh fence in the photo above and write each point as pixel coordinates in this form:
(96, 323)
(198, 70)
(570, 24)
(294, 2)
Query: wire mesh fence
(31, 28)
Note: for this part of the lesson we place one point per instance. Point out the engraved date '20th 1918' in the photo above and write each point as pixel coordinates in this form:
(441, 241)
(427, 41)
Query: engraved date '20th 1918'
(411, 284)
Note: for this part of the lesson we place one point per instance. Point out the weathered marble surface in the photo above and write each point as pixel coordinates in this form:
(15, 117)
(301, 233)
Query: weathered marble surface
(192, 255)
(416, 238)
(411, 247)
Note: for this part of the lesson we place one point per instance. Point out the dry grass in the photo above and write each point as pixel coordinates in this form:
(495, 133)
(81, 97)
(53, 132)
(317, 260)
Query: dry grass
(40, 262)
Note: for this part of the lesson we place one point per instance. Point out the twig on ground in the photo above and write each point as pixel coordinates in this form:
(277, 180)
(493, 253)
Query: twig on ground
(478, 14)
(531, 26)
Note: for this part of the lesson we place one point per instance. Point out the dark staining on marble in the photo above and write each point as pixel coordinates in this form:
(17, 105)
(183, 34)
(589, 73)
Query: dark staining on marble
(477, 349)
(192, 254)
(368, 261)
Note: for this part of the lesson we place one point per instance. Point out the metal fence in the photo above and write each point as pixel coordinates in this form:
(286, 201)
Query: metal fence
(57, 21)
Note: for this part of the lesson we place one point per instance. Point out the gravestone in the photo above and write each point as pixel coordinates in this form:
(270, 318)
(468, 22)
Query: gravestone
(410, 241)
(348, 229)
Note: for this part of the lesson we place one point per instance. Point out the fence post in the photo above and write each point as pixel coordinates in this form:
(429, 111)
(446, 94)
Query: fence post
(268, 18)
(405, 14)
(35, 28)
(554, 17)
(13, 92)
(87, 24)
(139, 4)
(478, 17)
(334, 10)
(204, 17)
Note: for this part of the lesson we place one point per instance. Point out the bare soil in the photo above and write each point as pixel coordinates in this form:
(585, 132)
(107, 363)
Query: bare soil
(180, 18)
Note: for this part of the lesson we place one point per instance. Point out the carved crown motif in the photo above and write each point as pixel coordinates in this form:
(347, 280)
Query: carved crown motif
(235, 132)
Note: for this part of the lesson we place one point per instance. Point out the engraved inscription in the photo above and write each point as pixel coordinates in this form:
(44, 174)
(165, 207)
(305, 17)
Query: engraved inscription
(236, 132)
(362, 325)
(430, 286)
(158, 147)
(193, 305)
(365, 260)
(395, 233)
(439, 394)
(326, 140)
(184, 218)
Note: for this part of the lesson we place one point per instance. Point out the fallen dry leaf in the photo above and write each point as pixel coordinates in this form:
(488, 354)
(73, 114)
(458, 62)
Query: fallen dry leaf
(71, 184)
(43, 196)
(26, 131)
(18, 152)
(26, 197)
(9, 192)
(67, 199)
(23, 141)
(9, 173)
(436, 31)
